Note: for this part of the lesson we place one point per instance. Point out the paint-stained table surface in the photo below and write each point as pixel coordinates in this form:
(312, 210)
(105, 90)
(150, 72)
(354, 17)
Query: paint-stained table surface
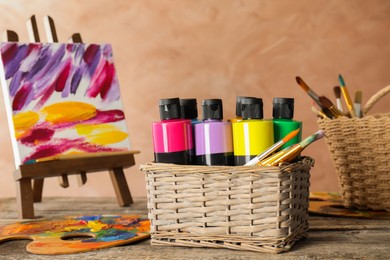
(329, 238)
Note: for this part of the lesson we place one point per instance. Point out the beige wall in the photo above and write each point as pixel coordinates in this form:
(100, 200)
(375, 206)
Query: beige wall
(216, 49)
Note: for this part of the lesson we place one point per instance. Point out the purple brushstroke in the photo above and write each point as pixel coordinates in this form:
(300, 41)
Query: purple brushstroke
(77, 76)
(78, 53)
(45, 96)
(49, 66)
(92, 57)
(15, 82)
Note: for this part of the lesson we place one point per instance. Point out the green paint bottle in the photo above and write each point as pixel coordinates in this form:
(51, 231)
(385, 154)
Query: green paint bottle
(283, 113)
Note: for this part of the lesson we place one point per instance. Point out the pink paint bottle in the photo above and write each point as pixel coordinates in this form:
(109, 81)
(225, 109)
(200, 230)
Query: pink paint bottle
(172, 136)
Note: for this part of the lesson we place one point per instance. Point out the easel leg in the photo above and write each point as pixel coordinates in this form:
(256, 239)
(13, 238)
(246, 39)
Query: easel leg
(24, 198)
(37, 190)
(121, 188)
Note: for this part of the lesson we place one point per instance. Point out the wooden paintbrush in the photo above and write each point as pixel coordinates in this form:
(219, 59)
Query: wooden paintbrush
(308, 90)
(290, 153)
(329, 108)
(319, 113)
(347, 97)
(358, 103)
(273, 148)
(337, 93)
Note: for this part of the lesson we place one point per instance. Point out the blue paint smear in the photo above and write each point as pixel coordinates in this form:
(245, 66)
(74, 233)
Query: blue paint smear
(89, 218)
(111, 235)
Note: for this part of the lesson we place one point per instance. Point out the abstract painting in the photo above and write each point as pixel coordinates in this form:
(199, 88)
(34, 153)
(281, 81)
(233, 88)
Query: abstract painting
(75, 234)
(61, 98)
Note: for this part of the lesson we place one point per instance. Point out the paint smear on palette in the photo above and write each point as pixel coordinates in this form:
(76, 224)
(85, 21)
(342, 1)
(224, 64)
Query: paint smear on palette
(62, 98)
(58, 236)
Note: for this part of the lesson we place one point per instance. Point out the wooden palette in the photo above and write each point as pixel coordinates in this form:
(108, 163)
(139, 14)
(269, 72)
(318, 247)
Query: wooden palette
(331, 204)
(77, 234)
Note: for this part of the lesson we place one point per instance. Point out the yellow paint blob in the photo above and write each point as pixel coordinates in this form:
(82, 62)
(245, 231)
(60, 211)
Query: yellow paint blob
(25, 120)
(101, 134)
(96, 226)
(68, 112)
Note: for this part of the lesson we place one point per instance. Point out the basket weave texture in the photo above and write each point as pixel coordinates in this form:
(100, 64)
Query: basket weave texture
(360, 150)
(263, 209)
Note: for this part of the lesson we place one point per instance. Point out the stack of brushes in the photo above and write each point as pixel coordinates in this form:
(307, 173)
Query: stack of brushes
(324, 107)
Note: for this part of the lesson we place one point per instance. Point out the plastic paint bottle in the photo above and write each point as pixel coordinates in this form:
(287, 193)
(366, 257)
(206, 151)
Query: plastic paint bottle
(252, 135)
(172, 136)
(213, 137)
(238, 110)
(283, 113)
(189, 110)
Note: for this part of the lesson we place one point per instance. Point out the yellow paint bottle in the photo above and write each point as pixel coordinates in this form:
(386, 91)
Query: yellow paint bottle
(238, 110)
(252, 135)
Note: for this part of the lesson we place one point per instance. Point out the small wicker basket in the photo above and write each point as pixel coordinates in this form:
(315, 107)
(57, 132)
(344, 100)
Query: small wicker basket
(360, 150)
(263, 209)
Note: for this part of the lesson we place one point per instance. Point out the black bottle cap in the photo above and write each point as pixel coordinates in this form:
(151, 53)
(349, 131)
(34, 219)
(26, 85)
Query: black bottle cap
(169, 108)
(238, 105)
(212, 109)
(251, 108)
(283, 108)
(188, 108)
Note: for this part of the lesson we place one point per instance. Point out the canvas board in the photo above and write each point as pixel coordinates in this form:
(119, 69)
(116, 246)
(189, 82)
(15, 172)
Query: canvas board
(61, 98)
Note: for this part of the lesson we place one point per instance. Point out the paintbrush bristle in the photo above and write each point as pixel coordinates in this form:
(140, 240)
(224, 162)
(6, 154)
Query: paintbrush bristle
(326, 102)
(301, 83)
(358, 97)
(320, 133)
(330, 109)
(337, 91)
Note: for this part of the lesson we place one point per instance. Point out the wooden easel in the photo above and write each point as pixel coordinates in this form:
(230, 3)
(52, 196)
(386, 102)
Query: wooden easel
(30, 177)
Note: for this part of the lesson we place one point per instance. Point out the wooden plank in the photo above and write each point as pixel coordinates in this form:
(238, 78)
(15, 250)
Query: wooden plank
(10, 36)
(37, 189)
(63, 181)
(121, 188)
(75, 165)
(366, 239)
(24, 198)
(51, 33)
(32, 29)
(82, 178)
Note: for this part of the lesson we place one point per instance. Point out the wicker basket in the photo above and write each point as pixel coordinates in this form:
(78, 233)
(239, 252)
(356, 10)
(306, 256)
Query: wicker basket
(255, 208)
(360, 150)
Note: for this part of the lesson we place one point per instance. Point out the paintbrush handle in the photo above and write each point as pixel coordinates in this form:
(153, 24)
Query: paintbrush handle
(348, 101)
(263, 155)
(288, 156)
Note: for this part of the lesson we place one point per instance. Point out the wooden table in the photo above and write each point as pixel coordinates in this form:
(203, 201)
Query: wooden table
(329, 238)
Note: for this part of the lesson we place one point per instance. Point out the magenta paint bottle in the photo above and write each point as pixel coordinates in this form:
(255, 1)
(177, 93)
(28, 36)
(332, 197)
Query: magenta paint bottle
(172, 136)
(213, 137)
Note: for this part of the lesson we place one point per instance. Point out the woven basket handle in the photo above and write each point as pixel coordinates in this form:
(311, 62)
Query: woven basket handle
(375, 98)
